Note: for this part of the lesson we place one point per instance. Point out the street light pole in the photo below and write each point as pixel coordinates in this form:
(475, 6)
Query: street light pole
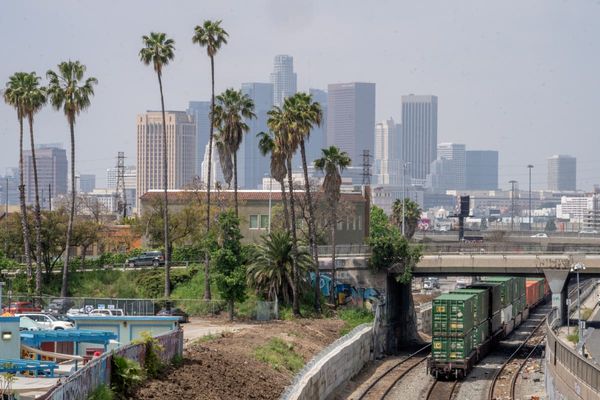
(270, 191)
(512, 207)
(404, 165)
(576, 268)
(530, 166)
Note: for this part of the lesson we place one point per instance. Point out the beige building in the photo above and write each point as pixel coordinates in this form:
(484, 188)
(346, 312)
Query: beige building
(181, 145)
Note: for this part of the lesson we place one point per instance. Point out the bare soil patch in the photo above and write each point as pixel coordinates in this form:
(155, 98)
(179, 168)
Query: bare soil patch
(225, 367)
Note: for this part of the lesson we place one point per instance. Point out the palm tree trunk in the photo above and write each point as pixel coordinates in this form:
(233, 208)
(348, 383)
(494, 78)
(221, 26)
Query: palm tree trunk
(207, 295)
(235, 184)
(286, 212)
(24, 224)
(296, 299)
(333, 296)
(230, 310)
(312, 235)
(65, 275)
(166, 198)
(38, 217)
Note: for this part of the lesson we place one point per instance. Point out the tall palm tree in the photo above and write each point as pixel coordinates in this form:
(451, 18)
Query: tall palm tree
(158, 51)
(306, 114)
(14, 95)
(412, 213)
(68, 90)
(212, 36)
(232, 108)
(269, 143)
(280, 123)
(33, 101)
(332, 162)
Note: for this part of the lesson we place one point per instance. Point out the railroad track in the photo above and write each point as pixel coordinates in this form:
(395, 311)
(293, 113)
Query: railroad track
(504, 380)
(381, 387)
(442, 390)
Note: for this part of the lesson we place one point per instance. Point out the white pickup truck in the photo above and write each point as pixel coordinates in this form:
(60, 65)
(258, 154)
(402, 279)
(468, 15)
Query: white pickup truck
(106, 312)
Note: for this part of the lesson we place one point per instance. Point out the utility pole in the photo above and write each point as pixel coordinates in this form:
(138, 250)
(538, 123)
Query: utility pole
(121, 196)
(512, 207)
(6, 219)
(49, 197)
(366, 167)
(530, 166)
(404, 166)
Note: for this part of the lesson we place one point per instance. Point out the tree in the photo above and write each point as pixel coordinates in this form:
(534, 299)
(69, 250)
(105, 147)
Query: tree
(413, 215)
(332, 162)
(550, 226)
(270, 143)
(14, 95)
(34, 98)
(158, 50)
(212, 36)
(86, 233)
(306, 114)
(272, 271)
(229, 114)
(68, 90)
(228, 263)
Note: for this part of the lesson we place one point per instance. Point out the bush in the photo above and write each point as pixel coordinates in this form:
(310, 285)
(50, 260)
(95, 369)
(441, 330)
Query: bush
(102, 392)
(279, 354)
(152, 362)
(126, 375)
(354, 317)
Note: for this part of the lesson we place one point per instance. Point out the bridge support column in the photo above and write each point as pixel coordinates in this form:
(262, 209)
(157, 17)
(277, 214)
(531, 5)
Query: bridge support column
(557, 280)
(399, 327)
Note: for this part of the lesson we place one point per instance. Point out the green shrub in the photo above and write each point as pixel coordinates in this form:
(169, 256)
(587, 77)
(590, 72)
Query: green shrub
(102, 392)
(126, 375)
(354, 317)
(152, 362)
(279, 354)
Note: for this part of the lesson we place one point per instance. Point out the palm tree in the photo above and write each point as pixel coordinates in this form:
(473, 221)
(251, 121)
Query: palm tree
(272, 271)
(332, 162)
(212, 36)
(413, 214)
(306, 114)
(14, 95)
(158, 50)
(68, 90)
(268, 144)
(229, 114)
(33, 101)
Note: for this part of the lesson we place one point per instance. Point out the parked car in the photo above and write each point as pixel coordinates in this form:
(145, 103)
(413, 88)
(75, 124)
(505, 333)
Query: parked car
(175, 312)
(19, 307)
(27, 324)
(588, 232)
(48, 321)
(540, 235)
(105, 312)
(154, 258)
(60, 306)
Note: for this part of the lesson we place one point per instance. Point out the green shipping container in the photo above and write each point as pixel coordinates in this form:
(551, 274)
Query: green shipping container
(495, 289)
(507, 288)
(451, 348)
(480, 333)
(481, 304)
(452, 314)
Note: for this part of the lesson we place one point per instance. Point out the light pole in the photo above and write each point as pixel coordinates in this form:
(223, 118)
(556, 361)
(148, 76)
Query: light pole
(512, 207)
(404, 166)
(576, 268)
(270, 191)
(530, 166)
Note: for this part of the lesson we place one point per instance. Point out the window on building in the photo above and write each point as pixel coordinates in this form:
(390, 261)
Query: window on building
(360, 222)
(253, 221)
(264, 221)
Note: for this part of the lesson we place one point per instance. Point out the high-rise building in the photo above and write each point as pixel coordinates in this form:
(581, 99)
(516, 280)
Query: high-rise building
(85, 183)
(419, 134)
(351, 118)
(52, 171)
(130, 177)
(562, 173)
(252, 166)
(9, 188)
(216, 172)
(388, 166)
(456, 154)
(200, 110)
(283, 78)
(481, 170)
(181, 146)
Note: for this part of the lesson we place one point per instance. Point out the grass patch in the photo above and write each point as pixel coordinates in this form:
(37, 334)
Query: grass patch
(102, 392)
(207, 338)
(354, 317)
(279, 354)
(586, 313)
(574, 337)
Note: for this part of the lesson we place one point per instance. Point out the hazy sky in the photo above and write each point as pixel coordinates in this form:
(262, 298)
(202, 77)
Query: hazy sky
(519, 77)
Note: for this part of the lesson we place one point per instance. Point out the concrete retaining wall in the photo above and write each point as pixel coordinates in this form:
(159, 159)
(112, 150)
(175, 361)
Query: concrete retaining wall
(333, 366)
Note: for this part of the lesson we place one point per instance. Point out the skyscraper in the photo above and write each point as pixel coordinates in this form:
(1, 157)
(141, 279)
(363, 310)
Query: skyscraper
(351, 118)
(200, 110)
(283, 78)
(481, 170)
(52, 168)
(419, 133)
(562, 173)
(181, 145)
(456, 153)
(387, 153)
(86, 182)
(252, 166)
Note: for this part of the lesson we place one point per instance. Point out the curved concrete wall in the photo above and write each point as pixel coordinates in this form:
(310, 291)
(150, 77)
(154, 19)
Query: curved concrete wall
(333, 366)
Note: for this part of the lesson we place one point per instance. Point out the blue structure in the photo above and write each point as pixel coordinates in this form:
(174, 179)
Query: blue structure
(45, 368)
(36, 338)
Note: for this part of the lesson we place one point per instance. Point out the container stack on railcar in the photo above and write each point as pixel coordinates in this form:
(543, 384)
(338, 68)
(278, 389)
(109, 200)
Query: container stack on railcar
(536, 291)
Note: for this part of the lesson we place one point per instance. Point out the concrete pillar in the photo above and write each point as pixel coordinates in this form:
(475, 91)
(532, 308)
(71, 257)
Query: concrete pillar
(400, 327)
(557, 279)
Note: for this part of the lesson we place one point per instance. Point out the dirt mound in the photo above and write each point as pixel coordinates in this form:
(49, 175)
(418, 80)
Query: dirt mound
(225, 367)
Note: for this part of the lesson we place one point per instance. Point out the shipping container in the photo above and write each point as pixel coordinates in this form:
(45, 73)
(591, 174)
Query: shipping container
(495, 290)
(496, 322)
(452, 314)
(544, 289)
(481, 304)
(534, 292)
(481, 333)
(507, 288)
(506, 314)
(451, 348)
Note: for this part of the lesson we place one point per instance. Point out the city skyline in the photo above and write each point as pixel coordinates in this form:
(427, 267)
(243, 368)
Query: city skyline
(430, 63)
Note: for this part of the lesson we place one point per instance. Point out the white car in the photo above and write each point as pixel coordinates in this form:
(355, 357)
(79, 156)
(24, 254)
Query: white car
(47, 321)
(27, 324)
(540, 235)
(588, 232)
(105, 312)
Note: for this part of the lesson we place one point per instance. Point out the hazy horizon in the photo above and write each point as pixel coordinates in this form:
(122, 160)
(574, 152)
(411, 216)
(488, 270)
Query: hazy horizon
(513, 77)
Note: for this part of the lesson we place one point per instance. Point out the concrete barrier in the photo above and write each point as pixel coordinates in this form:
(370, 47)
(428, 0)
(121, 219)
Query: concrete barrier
(333, 366)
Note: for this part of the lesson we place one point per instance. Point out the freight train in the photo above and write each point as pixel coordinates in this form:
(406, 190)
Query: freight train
(466, 323)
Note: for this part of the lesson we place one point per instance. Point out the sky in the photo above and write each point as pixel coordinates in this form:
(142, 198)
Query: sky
(514, 76)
